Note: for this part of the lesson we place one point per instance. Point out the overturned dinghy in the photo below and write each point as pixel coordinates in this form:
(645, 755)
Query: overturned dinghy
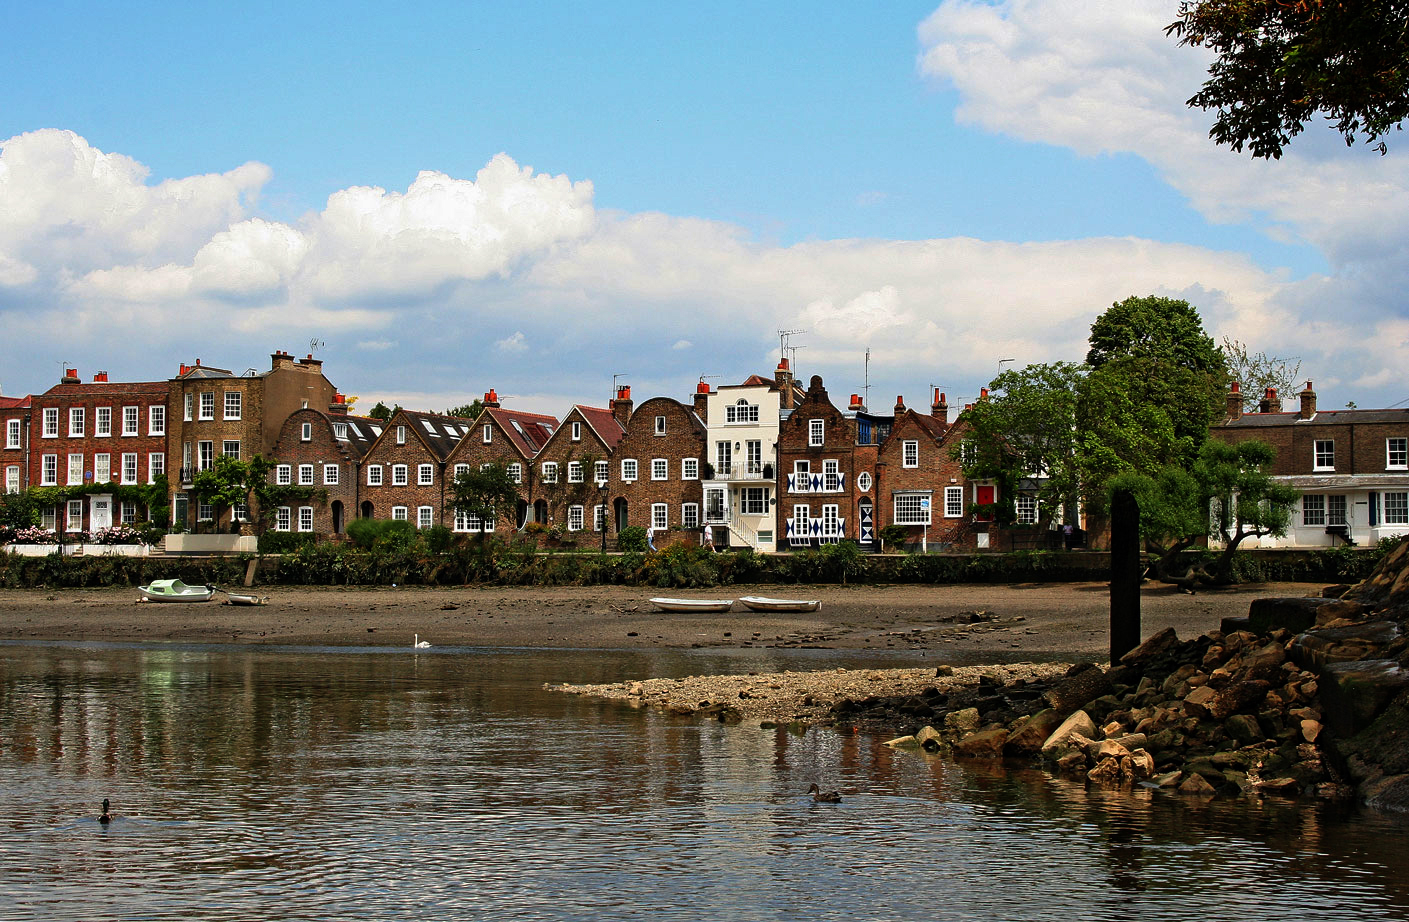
(235, 598)
(760, 603)
(684, 605)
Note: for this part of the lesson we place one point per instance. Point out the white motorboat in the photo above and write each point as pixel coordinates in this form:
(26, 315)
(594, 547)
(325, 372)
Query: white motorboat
(173, 590)
(698, 605)
(760, 603)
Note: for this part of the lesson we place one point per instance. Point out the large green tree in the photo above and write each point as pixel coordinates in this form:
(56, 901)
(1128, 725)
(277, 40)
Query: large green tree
(1279, 63)
(230, 481)
(1227, 495)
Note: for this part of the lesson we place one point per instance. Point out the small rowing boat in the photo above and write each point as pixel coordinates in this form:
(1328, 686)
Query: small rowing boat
(697, 605)
(234, 598)
(173, 590)
(760, 603)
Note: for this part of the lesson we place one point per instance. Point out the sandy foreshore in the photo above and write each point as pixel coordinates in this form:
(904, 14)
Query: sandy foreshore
(969, 622)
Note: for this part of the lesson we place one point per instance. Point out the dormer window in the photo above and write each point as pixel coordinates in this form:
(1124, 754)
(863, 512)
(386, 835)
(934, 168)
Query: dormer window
(340, 431)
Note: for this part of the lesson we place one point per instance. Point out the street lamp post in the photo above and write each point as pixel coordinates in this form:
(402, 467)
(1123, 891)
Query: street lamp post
(602, 492)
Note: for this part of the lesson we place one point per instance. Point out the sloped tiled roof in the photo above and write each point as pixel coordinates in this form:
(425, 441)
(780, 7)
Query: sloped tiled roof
(106, 389)
(360, 433)
(604, 423)
(14, 403)
(528, 431)
(1322, 417)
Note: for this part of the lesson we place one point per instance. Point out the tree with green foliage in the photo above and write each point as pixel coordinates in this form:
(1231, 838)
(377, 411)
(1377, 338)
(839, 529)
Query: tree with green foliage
(381, 411)
(1227, 495)
(467, 410)
(229, 482)
(18, 510)
(1028, 426)
(1280, 62)
(489, 495)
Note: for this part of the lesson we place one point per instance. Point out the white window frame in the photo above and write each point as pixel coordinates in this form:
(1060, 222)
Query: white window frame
(1398, 513)
(425, 475)
(230, 448)
(401, 435)
(12, 478)
(75, 468)
(331, 475)
(462, 468)
(1323, 455)
(488, 434)
(102, 423)
(131, 421)
(12, 433)
(1313, 509)
(575, 518)
(1025, 509)
(51, 423)
(205, 454)
(909, 508)
(189, 404)
(283, 474)
(660, 516)
(599, 517)
(234, 405)
(953, 502)
(741, 412)
(207, 405)
(576, 431)
(156, 419)
(77, 418)
(1336, 509)
(660, 425)
(374, 475)
(550, 471)
(129, 467)
(400, 514)
(753, 501)
(816, 433)
(515, 472)
(831, 476)
(601, 471)
(102, 467)
(690, 515)
(574, 472)
(629, 470)
(425, 516)
(305, 475)
(802, 524)
(305, 518)
(156, 465)
(128, 514)
(910, 453)
(1397, 453)
(400, 475)
(73, 515)
(305, 432)
(340, 431)
(283, 519)
(660, 469)
(49, 471)
(689, 468)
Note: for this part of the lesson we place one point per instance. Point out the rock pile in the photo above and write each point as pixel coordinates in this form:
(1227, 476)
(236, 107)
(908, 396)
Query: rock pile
(1226, 712)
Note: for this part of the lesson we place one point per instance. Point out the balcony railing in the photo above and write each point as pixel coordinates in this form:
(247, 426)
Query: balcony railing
(802, 532)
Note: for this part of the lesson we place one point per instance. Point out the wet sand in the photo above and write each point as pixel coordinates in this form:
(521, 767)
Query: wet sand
(968, 622)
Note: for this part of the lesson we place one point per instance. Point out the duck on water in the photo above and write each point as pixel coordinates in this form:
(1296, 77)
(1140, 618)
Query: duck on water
(820, 796)
(105, 818)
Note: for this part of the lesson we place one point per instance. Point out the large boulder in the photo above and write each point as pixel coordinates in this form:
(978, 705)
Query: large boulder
(1078, 724)
(985, 744)
(1294, 614)
(1155, 646)
(1320, 648)
(1354, 694)
(1078, 689)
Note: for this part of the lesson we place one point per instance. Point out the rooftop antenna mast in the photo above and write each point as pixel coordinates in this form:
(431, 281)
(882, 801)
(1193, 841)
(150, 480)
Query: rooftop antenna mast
(315, 344)
(783, 346)
(614, 377)
(866, 380)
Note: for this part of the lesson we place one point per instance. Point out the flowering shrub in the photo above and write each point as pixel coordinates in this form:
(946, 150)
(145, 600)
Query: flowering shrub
(118, 534)
(33, 534)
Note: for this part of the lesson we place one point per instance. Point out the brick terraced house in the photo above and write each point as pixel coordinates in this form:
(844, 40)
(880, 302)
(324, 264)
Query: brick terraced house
(14, 450)
(404, 470)
(511, 438)
(325, 451)
(94, 433)
(573, 469)
(655, 470)
(215, 412)
(1350, 466)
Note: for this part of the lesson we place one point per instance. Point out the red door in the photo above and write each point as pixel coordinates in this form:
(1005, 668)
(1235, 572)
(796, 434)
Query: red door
(985, 496)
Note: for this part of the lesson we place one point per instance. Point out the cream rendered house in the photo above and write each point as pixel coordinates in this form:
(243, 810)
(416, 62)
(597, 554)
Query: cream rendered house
(740, 487)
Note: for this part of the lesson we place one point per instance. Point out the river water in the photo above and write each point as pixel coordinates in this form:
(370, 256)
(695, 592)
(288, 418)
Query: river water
(329, 784)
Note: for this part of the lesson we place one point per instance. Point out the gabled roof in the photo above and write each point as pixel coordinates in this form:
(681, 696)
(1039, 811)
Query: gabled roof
(360, 433)
(14, 403)
(753, 381)
(438, 432)
(934, 426)
(604, 423)
(204, 371)
(528, 432)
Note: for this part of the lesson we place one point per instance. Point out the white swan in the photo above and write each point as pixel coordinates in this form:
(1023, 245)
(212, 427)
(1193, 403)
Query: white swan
(418, 643)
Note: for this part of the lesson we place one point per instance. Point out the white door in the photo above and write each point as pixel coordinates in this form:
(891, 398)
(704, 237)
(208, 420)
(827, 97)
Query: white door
(100, 511)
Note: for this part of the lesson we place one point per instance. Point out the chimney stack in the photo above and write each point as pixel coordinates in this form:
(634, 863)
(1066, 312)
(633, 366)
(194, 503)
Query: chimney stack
(339, 405)
(939, 409)
(783, 375)
(702, 400)
(1271, 403)
(1235, 402)
(1308, 402)
(899, 405)
(100, 378)
(856, 403)
(491, 400)
(70, 376)
(621, 405)
(983, 393)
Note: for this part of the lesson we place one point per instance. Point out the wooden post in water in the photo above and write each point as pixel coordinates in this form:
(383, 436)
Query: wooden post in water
(1125, 574)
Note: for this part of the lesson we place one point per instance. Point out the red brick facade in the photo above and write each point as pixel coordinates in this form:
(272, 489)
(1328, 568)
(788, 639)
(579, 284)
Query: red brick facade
(819, 461)
(404, 471)
(569, 492)
(315, 449)
(663, 445)
(15, 432)
(511, 438)
(97, 432)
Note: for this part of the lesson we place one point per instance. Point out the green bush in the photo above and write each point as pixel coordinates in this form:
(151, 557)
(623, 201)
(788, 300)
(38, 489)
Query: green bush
(283, 542)
(438, 539)
(382, 534)
(893, 536)
(631, 539)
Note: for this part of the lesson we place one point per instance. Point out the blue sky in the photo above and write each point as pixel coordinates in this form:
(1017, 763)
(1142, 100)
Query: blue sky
(947, 183)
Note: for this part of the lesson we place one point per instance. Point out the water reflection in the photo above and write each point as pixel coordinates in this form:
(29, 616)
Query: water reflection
(451, 785)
